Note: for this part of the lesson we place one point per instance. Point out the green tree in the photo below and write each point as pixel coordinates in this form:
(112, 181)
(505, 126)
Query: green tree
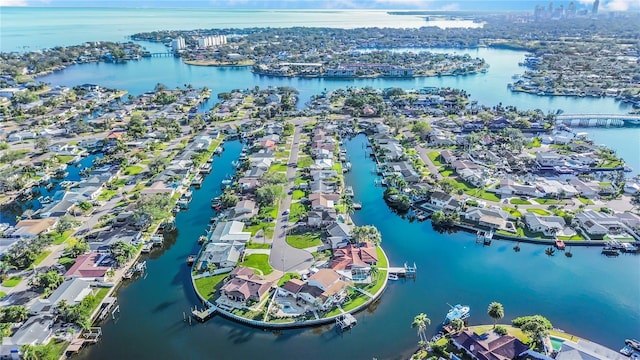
(42, 144)
(420, 322)
(14, 314)
(47, 281)
(136, 127)
(366, 233)
(65, 223)
(268, 195)
(496, 312)
(78, 248)
(122, 252)
(273, 178)
(421, 129)
(457, 324)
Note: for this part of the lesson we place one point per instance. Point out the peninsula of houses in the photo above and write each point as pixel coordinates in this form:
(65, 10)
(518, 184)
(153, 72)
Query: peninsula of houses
(97, 187)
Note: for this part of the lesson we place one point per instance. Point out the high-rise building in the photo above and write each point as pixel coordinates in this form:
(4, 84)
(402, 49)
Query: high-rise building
(571, 10)
(178, 44)
(594, 9)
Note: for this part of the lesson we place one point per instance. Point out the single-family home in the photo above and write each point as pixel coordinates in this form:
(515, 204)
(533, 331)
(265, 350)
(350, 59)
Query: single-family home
(244, 210)
(229, 231)
(89, 266)
(489, 346)
(72, 290)
(324, 288)
(245, 285)
(548, 225)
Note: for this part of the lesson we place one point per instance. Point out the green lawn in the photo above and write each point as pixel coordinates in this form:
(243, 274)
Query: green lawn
(298, 194)
(433, 156)
(268, 211)
(43, 255)
(286, 277)
(446, 172)
(60, 238)
(473, 191)
(282, 154)
(299, 180)
(64, 158)
(298, 210)
(304, 162)
(375, 287)
(278, 168)
(543, 201)
(252, 245)
(67, 262)
(513, 331)
(513, 211)
(267, 227)
(2, 294)
(585, 200)
(517, 201)
(303, 241)
(133, 170)
(355, 302)
(576, 237)
(206, 286)
(12, 281)
(337, 167)
(258, 261)
(107, 194)
(382, 260)
(539, 212)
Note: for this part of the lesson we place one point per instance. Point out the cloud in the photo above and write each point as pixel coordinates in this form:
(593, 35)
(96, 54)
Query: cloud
(622, 5)
(13, 3)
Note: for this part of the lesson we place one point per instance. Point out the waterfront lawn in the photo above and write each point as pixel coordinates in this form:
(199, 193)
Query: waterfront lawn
(518, 201)
(304, 240)
(337, 167)
(513, 331)
(133, 170)
(12, 281)
(544, 201)
(298, 194)
(576, 237)
(585, 200)
(298, 211)
(373, 288)
(433, 156)
(259, 262)
(63, 159)
(354, 302)
(382, 260)
(206, 286)
(539, 212)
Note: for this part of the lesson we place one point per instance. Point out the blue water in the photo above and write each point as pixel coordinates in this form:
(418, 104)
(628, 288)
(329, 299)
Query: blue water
(589, 295)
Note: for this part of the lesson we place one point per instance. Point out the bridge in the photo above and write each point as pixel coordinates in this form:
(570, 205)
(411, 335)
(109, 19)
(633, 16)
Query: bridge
(598, 120)
(159, 54)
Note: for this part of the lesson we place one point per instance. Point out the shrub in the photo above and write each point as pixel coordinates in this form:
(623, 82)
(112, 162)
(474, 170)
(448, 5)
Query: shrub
(500, 330)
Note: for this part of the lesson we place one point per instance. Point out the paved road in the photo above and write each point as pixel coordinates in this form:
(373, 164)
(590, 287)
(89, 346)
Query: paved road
(283, 256)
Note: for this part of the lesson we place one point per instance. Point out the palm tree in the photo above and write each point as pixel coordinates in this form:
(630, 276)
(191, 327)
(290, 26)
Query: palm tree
(457, 324)
(496, 311)
(420, 322)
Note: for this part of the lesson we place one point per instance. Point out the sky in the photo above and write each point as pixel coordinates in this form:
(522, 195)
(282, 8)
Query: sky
(451, 5)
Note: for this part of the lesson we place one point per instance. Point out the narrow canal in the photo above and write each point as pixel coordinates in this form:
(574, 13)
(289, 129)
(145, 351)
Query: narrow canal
(589, 295)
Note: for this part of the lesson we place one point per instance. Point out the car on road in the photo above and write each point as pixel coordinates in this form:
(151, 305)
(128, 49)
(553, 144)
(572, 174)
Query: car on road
(286, 212)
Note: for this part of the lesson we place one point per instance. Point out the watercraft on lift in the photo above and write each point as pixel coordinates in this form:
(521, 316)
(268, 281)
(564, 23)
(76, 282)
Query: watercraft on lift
(457, 312)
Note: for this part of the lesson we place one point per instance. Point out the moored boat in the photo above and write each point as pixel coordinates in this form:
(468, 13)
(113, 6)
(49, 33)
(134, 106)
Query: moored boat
(457, 312)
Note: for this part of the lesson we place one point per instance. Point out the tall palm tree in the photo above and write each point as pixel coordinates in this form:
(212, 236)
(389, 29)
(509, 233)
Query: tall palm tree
(420, 322)
(496, 311)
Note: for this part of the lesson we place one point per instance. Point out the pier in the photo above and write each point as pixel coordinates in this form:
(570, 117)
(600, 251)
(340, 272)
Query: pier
(345, 322)
(204, 314)
(403, 271)
(598, 120)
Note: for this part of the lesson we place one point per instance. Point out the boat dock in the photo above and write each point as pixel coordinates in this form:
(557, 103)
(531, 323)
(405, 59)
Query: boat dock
(345, 322)
(91, 336)
(109, 306)
(484, 237)
(139, 267)
(404, 271)
(204, 314)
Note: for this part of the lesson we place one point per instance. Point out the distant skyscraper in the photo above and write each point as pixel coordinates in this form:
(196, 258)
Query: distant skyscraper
(594, 10)
(571, 10)
(550, 8)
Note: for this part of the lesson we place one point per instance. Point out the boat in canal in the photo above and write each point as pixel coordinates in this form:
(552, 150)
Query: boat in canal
(457, 312)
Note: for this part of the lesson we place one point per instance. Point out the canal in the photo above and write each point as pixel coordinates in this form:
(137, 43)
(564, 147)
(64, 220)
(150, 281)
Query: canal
(589, 295)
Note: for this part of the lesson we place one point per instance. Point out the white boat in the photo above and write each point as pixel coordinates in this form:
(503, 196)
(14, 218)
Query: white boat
(393, 277)
(457, 312)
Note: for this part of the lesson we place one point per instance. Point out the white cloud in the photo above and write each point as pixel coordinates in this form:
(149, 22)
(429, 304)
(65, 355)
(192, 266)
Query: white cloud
(13, 3)
(622, 5)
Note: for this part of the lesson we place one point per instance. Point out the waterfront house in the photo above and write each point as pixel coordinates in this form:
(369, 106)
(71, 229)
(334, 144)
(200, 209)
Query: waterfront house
(89, 266)
(322, 187)
(586, 350)
(72, 290)
(30, 228)
(324, 288)
(510, 187)
(244, 285)
(489, 346)
(158, 187)
(340, 230)
(36, 330)
(443, 201)
(102, 242)
(244, 210)
(323, 201)
(291, 288)
(548, 225)
(222, 255)
(354, 261)
(599, 224)
(319, 218)
(229, 232)
(549, 159)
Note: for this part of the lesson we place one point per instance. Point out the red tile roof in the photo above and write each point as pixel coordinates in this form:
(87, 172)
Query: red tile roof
(86, 266)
